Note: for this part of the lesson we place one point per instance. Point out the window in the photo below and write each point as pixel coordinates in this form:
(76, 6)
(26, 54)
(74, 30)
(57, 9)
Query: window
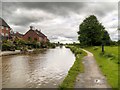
(29, 39)
(6, 34)
(0, 27)
(2, 34)
(6, 28)
(35, 39)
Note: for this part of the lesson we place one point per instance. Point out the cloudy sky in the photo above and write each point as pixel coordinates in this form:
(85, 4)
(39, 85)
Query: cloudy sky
(59, 20)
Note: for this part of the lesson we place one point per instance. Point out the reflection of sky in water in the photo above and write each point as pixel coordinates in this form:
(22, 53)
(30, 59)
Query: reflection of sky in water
(41, 70)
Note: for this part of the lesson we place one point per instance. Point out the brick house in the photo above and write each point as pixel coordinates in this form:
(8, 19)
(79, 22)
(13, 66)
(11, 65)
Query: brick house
(16, 35)
(4, 29)
(35, 35)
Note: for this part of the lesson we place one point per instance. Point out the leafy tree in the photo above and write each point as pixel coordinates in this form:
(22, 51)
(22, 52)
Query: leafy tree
(91, 32)
(105, 38)
(7, 45)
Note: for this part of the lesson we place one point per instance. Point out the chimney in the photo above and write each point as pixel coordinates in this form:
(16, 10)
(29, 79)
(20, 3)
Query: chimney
(31, 27)
(40, 30)
(36, 29)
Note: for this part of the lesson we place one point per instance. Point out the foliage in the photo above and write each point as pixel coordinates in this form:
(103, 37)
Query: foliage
(118, 42)
(114, 43)
(77, 67)
(7, 46)
(105, 38)
(20, 44)
(92, 33)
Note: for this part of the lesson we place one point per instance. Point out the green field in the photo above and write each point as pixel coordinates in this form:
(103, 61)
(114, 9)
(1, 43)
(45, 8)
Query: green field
(77, 68)
(108, 62)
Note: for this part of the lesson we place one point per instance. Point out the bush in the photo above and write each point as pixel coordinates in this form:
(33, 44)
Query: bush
(8, 47)
(75, 50)
(51, 45)
(5, 47)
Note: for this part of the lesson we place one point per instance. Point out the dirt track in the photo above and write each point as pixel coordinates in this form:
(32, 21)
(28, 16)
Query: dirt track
(92, 77)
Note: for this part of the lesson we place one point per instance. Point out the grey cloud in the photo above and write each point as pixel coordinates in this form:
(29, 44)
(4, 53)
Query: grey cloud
(64, 8)
(55, 7)
(58, 20)
(59, 8)
(0, 8)
(9, 7)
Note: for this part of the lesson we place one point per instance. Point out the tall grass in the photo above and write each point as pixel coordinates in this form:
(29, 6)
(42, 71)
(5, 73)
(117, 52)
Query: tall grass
(77, 68)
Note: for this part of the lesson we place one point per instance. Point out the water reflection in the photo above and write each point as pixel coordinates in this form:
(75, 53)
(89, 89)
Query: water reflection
(43, 70)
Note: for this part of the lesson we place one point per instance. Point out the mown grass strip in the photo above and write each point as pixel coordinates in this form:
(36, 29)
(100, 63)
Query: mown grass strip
(77, 68)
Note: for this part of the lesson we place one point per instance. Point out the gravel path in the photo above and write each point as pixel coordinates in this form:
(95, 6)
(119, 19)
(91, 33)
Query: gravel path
(92, 77)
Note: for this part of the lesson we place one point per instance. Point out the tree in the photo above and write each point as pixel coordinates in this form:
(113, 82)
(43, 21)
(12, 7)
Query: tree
(91, 32)
(119, 42)
(7, 45)
(105, 38)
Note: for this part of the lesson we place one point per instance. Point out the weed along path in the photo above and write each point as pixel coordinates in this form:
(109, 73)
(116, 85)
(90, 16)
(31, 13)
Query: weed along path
(92, 76)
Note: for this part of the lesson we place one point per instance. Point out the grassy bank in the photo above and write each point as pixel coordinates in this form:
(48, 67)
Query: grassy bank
(77, 67)
(108, 62)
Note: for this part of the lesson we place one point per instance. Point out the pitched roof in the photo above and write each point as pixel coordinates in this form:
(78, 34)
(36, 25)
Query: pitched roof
(17, 34)
(3, 23)
(40, 34)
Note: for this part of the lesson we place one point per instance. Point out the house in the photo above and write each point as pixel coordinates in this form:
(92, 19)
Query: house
(35, 35)
(18, 35)
(13, 36)
(4, 29)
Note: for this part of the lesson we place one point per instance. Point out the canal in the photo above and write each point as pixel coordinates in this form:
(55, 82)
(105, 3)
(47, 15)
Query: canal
(46, 69)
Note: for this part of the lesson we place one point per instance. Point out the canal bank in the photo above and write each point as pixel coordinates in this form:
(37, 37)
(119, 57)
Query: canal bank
(16, 52)
(76, 69)
(6, 53)
(46, 69)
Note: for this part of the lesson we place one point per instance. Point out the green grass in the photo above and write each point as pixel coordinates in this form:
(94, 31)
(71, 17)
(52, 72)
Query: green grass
(77, 68)
(108, 63)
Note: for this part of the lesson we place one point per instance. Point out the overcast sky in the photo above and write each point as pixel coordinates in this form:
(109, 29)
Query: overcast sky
(59, 20)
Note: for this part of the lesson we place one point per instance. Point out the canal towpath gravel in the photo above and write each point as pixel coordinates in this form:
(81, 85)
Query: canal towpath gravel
(92, 76)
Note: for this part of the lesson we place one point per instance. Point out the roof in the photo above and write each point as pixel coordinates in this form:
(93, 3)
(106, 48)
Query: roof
(18, 34)
(39, 33)
(3, 23)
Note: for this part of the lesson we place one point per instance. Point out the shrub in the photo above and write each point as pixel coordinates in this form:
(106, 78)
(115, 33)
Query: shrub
(8, 47)
(5, 47)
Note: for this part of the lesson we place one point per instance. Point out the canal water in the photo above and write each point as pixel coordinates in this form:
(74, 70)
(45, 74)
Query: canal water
(46, 69)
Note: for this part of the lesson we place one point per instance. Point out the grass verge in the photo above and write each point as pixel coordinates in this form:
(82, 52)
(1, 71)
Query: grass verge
(77, 68)
(108, 63)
